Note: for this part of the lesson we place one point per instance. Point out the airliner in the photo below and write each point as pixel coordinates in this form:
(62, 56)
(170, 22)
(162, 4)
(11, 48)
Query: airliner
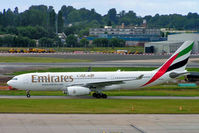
(84, 83)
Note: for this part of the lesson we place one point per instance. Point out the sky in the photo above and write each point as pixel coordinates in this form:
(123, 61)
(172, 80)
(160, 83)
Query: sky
(140, 7)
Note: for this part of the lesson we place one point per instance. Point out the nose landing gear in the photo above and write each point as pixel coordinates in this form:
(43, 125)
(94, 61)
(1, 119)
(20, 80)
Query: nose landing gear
(28, 93)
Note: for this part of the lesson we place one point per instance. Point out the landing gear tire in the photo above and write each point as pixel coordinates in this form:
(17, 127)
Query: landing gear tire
(104, 96)
(99, 95)
(28, 95)
(94, 94)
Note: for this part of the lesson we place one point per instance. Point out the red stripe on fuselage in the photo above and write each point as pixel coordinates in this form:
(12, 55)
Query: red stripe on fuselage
(162, 70)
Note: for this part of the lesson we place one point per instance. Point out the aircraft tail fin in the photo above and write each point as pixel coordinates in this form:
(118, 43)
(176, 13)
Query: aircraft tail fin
(178, 61)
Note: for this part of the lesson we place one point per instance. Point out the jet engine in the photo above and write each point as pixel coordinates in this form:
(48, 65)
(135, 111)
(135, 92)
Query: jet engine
(77, 90)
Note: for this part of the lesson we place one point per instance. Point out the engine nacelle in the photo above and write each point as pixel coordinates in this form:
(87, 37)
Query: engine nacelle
(77, 90)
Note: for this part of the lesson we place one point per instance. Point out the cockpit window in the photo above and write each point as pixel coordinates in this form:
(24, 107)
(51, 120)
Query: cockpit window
(14, 79)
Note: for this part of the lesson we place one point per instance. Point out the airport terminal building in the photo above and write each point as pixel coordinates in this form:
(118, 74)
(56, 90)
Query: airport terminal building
(132, 35)
(173, 43)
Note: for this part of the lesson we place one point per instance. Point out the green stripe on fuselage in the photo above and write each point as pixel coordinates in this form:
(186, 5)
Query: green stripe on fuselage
(185, 51)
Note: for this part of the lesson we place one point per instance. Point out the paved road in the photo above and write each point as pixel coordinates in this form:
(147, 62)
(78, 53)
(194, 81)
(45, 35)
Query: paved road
(90, 97)
(100, 123)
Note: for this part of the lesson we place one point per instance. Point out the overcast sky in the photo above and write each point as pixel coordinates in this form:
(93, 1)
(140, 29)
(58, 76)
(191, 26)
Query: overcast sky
(141, 7)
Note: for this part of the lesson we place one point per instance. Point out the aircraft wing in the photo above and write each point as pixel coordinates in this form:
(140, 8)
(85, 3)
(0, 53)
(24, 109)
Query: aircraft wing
(107, 83)
(103, 84)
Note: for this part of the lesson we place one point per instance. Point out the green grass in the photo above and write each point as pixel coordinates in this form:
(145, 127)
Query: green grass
(99, 106)
(159, 90)
(17, 59)
(33, 93)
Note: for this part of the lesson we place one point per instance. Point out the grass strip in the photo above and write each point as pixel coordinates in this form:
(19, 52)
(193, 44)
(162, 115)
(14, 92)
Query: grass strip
(99, 106)
(159, 90)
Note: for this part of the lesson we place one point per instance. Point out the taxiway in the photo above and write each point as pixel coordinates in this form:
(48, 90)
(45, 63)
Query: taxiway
(100, 123)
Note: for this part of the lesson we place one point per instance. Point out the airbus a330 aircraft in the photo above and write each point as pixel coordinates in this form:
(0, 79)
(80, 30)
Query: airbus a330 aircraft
(82, 83)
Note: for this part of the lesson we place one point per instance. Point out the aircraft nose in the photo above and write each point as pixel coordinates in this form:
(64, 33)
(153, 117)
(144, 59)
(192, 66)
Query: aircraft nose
(9, 83)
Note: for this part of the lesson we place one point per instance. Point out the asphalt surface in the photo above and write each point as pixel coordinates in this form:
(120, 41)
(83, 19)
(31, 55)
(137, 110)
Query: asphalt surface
(98, 60)
(99, 123)
(106, 60)
(94, 57)
(12, 67)
(90, 97)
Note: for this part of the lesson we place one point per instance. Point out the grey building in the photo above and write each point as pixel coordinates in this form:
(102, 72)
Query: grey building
(173, 43)
(162, 47)
(186, 36)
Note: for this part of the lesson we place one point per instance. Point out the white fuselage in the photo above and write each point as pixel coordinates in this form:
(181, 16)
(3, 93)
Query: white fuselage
(62, 80)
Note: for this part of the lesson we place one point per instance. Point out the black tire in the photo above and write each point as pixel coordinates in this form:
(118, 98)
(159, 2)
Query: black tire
(94, 94)
(28, 95)
(98, 95)
(104, 96)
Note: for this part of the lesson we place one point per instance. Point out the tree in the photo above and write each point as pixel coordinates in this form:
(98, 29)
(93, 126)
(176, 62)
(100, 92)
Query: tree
(122, 43)
(9, 18)
(97, 42)
(73, 16)
(16, 41)
(11, 30)
(116, 42)
(36, 32)
(45, 42)
(71, 41)
(109, 23)
(16, 11)
(84, 32)
(36, 15)
(104, 42)
(84, 43)
(8, 40)
(122, 13)
(52, 19)
(112, 15)
(69, 30)
(20, 41)
(66, 11)
(58, 42)
(101, 42)
(60, 22)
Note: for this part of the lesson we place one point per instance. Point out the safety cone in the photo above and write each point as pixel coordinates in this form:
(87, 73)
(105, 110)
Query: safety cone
(180, 108)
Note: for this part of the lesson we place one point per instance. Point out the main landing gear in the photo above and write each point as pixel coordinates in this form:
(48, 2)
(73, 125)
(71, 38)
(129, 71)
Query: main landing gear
(99, 95)
(28, 93)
